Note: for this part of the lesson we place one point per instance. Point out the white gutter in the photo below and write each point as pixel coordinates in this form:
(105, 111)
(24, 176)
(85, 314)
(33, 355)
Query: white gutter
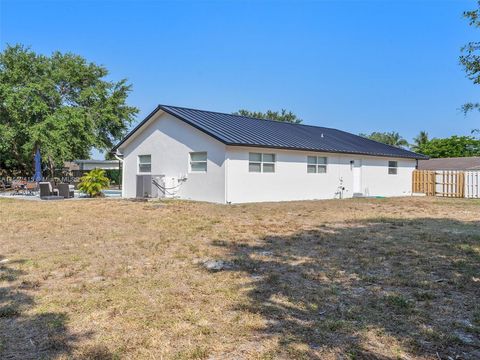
(118, 158)
(123, 172)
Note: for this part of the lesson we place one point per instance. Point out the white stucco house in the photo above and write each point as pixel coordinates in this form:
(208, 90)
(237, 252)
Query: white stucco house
(224, 158)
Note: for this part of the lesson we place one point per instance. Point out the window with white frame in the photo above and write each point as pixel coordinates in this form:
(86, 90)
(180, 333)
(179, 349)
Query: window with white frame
(392, 167)
(198, 161)
(144, 163)
(316, 164)
(258, 162)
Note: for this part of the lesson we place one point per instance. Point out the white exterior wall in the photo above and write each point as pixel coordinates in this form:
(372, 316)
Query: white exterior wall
(169, 142)
(292, 182)
(377, 182)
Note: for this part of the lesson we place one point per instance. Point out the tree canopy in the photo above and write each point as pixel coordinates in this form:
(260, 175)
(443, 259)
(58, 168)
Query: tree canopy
(454, 146)
(282, 115)
(61, 103)
(470, 58)
(390, 138)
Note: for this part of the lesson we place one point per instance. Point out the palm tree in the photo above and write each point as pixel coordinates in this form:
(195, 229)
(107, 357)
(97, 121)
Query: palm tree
(390, 138)
(394, 139)
(420, 141)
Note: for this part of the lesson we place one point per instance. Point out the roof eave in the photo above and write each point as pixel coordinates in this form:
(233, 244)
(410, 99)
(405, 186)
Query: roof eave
(418, 157)
(134, 130)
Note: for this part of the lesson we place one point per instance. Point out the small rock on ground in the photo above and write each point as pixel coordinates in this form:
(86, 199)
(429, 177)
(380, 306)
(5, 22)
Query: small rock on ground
(265, 253)
(216, 265)
(467, 339)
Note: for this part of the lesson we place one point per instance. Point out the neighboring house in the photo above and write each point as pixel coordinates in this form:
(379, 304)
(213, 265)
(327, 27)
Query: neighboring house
(224, 158)
(78, 168)
(457, 163)
(85, 165)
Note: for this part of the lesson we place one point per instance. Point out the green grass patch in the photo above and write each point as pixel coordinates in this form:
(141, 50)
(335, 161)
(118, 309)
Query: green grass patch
(399, 303)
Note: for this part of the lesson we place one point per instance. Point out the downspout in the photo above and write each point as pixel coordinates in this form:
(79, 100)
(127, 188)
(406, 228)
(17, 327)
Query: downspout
(226, 176)
(120, 163)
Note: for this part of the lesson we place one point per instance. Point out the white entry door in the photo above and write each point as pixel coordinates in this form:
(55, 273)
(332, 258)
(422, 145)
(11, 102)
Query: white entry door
(357, 176)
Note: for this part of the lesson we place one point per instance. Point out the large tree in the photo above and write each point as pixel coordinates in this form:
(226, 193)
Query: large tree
(390, 138)
(59, 103)
(282, 115)
(470, 58)
(454, 146)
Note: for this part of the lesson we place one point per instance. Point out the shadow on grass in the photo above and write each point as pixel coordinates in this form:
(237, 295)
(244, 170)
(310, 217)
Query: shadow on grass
(30, 336)
(368, 290)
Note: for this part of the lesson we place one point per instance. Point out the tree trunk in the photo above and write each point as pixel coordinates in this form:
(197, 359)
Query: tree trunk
(51, 167)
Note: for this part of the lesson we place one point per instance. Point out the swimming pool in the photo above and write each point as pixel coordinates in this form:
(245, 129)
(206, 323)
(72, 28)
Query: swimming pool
(112, 193)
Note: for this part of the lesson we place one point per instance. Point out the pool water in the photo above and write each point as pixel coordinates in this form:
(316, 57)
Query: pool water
(112, 193)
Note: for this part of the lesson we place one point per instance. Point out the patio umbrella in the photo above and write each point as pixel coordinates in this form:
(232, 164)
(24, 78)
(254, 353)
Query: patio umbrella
(38, 166)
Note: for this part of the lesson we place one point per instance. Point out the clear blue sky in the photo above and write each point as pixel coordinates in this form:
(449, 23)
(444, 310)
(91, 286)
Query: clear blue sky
(360, 66)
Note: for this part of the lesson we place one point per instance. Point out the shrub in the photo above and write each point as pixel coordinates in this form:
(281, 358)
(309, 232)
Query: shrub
(93, 182)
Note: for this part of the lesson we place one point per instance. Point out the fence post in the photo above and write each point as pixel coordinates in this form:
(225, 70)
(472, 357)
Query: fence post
(462, 183)
(414, 181)
(433, 182)
(443, 183)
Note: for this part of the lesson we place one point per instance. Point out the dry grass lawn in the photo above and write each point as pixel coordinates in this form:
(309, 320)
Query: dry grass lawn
(351, 279)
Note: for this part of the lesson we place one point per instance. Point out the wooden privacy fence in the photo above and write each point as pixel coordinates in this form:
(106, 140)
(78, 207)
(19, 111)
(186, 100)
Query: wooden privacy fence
(424, 182)
(447, 183)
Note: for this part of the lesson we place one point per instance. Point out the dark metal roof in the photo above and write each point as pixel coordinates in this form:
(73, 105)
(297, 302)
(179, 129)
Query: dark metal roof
(239, 130)
(456, 163)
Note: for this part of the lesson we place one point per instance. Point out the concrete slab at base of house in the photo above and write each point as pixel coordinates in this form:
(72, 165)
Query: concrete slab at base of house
(223, 158)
